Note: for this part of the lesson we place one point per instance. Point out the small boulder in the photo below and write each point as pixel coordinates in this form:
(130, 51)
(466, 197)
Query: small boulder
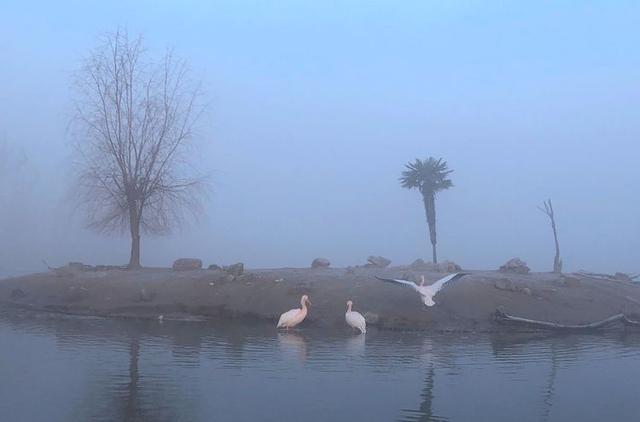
(421, 265)
(235, 270)
(411, 277)
(448, 267)
(515, 266)
(526, 291)
(505, 284)
(187, 264)
(78, 266)
(320, 263)
(418, 264)
(377, 262)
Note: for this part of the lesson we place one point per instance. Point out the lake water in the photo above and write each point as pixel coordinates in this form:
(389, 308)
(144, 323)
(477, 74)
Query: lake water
(73, 369)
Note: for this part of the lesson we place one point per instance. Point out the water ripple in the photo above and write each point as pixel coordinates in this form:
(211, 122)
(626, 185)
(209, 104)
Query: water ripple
(95, 369)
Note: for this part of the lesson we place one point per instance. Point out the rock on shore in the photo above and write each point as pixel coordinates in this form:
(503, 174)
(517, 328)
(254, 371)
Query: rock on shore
(186, 264)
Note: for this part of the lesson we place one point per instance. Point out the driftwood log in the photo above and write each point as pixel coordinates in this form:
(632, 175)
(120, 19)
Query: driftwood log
(503, 317)
(607, 277)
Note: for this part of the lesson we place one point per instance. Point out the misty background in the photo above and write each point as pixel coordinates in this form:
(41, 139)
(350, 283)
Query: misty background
(315, 107)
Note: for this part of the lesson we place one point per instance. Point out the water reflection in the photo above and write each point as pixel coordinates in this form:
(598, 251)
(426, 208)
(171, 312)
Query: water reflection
(95, 369)
(131, 408)
(355, 345)
(293, 344)
(550, 387)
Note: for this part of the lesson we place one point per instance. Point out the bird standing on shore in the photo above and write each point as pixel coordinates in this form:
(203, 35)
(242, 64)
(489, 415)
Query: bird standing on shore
(426, 292)
(295, 316)
(355, 319)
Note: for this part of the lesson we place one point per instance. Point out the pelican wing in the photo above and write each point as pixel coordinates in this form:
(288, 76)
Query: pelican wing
(287, 318)
(399, 281)
(437, 286)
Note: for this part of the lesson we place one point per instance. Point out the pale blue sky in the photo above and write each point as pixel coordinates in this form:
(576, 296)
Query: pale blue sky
(316, 106)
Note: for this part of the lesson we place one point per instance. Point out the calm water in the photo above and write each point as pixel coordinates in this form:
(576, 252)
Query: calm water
(71, 369)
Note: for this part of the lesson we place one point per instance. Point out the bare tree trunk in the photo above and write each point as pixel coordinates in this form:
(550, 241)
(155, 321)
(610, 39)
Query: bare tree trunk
(430, 210)
(557, 263)
(134, 261)
(548, 210)
(134, 222)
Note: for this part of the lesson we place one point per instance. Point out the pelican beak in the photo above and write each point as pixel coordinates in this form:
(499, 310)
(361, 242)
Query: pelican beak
(309, 302)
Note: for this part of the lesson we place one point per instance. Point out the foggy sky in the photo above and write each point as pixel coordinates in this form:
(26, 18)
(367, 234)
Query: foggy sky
(314, 110)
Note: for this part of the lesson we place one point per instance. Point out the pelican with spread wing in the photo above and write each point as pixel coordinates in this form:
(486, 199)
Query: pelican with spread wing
(426, 292)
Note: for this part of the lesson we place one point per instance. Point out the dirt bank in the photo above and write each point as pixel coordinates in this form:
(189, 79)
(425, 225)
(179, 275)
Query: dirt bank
(466, 304)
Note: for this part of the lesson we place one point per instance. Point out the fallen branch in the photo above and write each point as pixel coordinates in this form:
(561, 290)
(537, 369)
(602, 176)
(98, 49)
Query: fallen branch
(607, 277)
(502, 317)
(630, 322)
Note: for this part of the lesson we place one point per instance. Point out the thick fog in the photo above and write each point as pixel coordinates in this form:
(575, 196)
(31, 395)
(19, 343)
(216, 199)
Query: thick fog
(315, 107)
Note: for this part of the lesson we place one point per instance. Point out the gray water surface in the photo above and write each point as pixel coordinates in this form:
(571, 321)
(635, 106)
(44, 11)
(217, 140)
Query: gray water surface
(77, 369)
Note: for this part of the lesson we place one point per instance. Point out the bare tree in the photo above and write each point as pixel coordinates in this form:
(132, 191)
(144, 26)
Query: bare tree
(134, 120)
(548, 210)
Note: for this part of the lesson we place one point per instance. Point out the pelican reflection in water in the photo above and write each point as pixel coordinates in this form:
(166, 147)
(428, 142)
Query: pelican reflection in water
(293, 344)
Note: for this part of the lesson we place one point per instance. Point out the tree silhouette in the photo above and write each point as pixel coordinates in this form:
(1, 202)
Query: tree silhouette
(134, 120)
(429, 177)
(548, 210)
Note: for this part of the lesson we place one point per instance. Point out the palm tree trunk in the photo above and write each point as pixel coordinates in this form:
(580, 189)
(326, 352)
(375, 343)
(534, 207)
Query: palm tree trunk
(430, 210)
(434, 252)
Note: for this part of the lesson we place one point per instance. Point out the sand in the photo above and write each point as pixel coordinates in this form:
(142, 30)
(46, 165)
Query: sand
(466, 304)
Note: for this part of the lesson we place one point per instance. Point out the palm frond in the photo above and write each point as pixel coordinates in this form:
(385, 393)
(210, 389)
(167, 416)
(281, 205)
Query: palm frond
(429, 176)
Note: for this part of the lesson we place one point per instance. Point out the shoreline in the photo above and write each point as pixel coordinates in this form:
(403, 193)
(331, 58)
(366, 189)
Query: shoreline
(464, 305)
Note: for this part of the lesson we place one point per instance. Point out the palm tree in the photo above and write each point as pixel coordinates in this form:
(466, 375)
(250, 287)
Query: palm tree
(429, 177)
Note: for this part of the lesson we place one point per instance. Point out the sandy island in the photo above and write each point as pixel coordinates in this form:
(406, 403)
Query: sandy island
(467, 304)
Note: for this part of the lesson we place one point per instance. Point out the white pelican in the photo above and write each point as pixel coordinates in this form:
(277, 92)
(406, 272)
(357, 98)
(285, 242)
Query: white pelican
(354, 319)
(295, 316)
(426, 292)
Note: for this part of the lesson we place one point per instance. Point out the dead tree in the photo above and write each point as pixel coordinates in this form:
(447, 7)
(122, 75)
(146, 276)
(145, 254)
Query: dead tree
(133, 125)
(548, 210)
